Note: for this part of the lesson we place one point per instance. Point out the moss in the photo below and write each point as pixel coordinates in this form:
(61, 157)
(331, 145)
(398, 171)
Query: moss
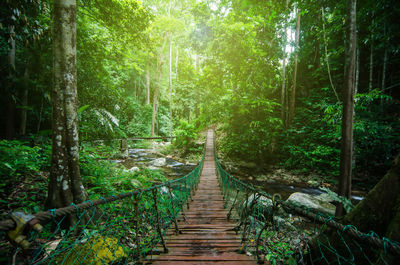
(378, 209)
(98, 250)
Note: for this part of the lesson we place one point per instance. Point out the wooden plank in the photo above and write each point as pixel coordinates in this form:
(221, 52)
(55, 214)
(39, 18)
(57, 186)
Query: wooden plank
(207, 237)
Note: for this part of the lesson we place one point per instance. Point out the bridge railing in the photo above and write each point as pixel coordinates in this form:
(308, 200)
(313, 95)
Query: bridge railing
(287, 233)
(120, 229)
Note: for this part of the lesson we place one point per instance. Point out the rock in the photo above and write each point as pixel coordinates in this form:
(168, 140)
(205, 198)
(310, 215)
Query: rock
(325, 197)
(133, 169)
(115, 161)
(284, 223)
(158, 162)
(124, 154)
(313, 202)
(313, 183)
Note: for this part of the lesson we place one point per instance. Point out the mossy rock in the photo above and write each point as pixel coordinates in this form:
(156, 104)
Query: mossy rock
(98, 250)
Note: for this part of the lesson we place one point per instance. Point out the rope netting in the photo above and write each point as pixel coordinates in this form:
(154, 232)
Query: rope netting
(280, 232)
(120, 229)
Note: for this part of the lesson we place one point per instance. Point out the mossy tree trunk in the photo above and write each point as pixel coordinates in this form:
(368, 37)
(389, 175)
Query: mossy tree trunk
(380, 210)
(65, 186)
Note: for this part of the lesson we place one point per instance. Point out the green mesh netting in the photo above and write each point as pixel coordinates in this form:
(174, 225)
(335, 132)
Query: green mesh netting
(119, 232)
(272, 231)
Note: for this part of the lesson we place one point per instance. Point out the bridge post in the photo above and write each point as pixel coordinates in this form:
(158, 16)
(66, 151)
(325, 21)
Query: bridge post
(136, 222)
(173, 210)
(124, 148)
(188, 196)
(158, 221)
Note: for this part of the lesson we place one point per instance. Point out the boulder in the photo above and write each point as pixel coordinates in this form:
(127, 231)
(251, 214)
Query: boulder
(314, 202)
(158, 162)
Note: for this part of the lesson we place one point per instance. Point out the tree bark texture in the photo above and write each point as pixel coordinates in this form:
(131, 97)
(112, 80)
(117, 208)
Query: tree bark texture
(371, 63)
(148, 82)
(176, 64)
(283, 106)
(170, 87)
(346, 154)
(10, 126)
(23, 113)
(65, 186)
(357, 71)
(293, 94)
(385, 61)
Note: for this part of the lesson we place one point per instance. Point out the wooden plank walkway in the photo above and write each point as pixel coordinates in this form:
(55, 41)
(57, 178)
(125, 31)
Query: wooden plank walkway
(207, 236)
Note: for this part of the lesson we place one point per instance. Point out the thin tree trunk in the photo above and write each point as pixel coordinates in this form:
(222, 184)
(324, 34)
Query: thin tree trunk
(371, 63)
(283, 92)
(10, 126)
(40, 115)
(293, 94)
(153, 118)
(170, 87)
(148, 82)
(157, 91)
(176, 64)
(24, 102)
(283, 106)
(346, 155)
(326, 54)
(357, 71)
(65, 186)
(385, 61)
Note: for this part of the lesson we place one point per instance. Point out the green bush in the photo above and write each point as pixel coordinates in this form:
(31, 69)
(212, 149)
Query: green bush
(186, 135)
(21, 184)
(104, 178)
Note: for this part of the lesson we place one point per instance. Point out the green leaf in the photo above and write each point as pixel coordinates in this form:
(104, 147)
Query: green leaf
(81, 109)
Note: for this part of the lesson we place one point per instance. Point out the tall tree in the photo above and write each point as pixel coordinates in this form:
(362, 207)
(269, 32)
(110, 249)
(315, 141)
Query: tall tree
(293, 94)
(283, 92)
(11, 105)
(148, 82)
(346, 155)
(170, 86)
(65, 186)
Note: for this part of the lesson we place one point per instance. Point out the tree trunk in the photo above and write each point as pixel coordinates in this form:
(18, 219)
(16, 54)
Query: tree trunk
(148, 82)
(65, 186)
(371, 63)
(346, 155)
(170, 87)
(157, 91)
(176, 64)
(283, 97)
(379, 211)
(10, 126)
(357, 71)
(385, 61)
(293, 94)
(24, 102)
(326, 54)
(153, 118)
(283, 106)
